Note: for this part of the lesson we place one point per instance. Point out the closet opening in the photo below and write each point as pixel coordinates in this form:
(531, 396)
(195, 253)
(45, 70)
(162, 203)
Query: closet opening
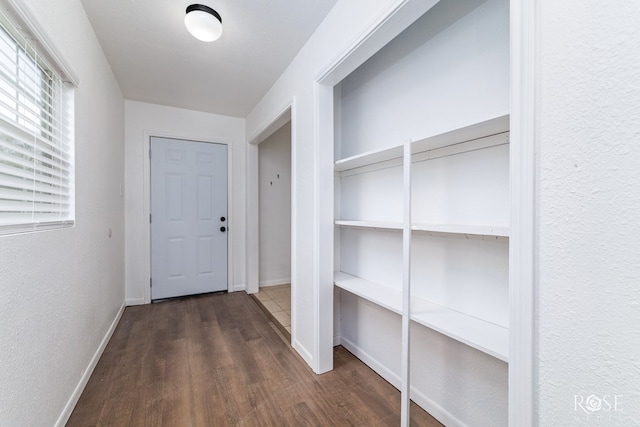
(274, 235)
(421, 210)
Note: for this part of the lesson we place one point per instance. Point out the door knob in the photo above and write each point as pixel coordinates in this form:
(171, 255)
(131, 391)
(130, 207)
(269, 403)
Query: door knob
(223, 219)
(223, 229)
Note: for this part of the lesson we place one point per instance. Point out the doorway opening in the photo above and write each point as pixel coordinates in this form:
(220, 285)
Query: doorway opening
(274, 206)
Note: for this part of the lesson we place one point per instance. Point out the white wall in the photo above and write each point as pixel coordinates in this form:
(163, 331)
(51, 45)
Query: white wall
(143, 120)
(588, 195)
(406, 89)
(275, 207)
(61, 290)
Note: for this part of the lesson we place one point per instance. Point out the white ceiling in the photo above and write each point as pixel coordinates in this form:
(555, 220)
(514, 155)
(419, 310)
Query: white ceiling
(156, 60)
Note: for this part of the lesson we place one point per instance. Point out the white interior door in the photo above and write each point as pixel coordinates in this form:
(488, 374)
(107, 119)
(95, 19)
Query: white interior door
(188, 217)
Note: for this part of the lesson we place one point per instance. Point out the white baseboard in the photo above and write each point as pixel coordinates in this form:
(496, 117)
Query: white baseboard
(303, 352)
(238, 287)
(336, 340)
(275, 282)
(73, 399)
(437, 411)
(373, 363)
(134, 301)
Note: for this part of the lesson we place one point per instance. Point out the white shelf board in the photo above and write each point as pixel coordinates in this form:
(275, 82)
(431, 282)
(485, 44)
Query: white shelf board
(480, 230)
(384, 296)
(368, 158)
(467, 133)
(388, 225)
(479, 334)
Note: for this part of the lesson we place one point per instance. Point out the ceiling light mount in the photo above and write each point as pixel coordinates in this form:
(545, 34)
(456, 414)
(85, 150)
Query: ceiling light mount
(203, 22)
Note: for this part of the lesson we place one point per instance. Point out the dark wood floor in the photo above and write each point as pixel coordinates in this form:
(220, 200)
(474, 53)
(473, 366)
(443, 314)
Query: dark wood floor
(216, 360)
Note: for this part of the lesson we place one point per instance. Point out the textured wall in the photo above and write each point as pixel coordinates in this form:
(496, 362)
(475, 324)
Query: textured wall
(589, 207)
(61, 290)
(275, 207)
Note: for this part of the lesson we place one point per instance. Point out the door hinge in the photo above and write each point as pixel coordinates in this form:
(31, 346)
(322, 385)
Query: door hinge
(149, 218)
(150, 282)
(149, 153)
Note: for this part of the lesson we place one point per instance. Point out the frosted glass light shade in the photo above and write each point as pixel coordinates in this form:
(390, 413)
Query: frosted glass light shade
(203, 22)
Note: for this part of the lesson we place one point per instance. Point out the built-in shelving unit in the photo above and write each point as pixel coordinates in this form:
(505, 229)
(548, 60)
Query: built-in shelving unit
(481, 334)
(422, 211)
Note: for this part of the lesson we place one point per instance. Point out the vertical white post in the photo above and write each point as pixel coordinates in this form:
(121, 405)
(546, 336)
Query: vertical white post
(323, 287)
(405, 398)
(253, 220)
(522, 240)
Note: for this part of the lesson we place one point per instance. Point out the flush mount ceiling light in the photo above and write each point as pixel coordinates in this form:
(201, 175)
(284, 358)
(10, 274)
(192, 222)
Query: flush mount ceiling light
(203, 22)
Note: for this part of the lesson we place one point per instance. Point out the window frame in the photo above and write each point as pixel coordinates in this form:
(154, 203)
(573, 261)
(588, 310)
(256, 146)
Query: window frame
(47, 134)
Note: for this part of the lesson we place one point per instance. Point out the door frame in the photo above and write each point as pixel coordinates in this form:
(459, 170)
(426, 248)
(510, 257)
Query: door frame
(523, 283)
(146, 191)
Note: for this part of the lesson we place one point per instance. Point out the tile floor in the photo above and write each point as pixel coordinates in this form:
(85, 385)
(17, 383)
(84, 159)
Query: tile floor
(276, 301)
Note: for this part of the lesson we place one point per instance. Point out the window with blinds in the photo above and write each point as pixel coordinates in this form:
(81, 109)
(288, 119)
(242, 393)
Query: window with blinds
(36, 139)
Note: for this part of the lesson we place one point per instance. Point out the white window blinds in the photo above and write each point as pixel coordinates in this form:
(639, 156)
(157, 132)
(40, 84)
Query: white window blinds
(36, 138)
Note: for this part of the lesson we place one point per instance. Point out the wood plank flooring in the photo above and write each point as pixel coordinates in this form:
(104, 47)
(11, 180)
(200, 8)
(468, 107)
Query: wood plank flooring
(217, 360)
